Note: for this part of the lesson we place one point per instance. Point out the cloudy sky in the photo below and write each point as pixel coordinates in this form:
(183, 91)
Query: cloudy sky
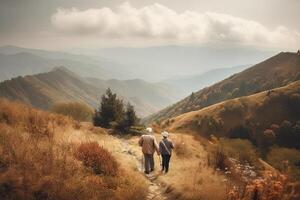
(65, 24)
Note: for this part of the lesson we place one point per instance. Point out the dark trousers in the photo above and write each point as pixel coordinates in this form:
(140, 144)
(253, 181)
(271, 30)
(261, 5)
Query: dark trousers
(165, 162)
(149, 162)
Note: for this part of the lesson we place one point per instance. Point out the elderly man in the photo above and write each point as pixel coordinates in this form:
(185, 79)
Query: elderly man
(149, 146)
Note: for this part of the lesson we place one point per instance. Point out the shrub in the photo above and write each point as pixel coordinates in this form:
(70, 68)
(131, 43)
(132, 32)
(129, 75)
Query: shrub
(96, 157)
(76, 110)
(136, 130)
(239, 149)
(269, 187)
(285, 159)
(266, 141)
(289, 134)
(242, 132)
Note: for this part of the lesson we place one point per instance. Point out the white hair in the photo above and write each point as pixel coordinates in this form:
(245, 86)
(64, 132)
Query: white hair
(149, 130)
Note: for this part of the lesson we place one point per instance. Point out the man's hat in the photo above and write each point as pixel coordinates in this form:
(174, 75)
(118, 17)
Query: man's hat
(165, 134)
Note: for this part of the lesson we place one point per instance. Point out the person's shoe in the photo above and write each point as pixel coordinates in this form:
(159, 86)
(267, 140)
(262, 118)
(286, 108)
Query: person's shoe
(151, 170)
(146, 172)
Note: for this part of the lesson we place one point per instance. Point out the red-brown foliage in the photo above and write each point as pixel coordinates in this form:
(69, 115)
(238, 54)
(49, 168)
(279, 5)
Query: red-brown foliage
(99, 159)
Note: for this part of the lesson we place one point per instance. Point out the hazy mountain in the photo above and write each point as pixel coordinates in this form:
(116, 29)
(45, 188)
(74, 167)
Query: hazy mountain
(195, 82)
(163, 62)
(274, 72)
(15, 61)
(61, 85)
(156, 95)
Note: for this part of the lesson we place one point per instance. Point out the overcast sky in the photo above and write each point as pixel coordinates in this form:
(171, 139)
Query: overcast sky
(66, 24)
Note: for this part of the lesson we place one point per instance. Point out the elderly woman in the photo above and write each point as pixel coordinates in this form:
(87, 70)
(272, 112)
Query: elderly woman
(165, 149)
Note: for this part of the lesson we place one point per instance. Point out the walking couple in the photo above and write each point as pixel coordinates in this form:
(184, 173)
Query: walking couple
(149, 146)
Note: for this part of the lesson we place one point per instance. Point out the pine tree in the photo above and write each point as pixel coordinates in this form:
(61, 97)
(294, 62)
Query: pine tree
(111, 110)
(130, 116)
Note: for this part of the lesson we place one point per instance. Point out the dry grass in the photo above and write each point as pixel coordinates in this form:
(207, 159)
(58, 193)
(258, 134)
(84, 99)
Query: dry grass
(37, 159)
(189, 176)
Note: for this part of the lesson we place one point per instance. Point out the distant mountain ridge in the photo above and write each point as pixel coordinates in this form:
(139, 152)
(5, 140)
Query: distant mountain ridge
(193, 83)
(17, 61)
(62, 85)
(276, 71)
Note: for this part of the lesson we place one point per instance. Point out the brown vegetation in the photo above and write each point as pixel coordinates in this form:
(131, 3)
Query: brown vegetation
(37, 162)
(254, 118)
(78, 111)
(96, 157)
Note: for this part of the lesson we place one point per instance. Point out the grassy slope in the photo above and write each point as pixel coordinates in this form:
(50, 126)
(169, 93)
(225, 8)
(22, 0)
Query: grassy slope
(275, 72)
(257, 111)
(37, 159)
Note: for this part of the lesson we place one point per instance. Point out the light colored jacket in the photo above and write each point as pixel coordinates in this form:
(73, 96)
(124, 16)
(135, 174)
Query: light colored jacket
(148, 144)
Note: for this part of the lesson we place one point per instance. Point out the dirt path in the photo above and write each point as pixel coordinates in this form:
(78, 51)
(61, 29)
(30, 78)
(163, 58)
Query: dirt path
(156, 191)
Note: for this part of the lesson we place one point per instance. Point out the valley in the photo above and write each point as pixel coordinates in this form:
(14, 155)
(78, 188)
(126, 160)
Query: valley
(241, 129)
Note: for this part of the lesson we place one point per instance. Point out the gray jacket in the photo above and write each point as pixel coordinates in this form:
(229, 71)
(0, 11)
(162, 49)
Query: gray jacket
(166, 146)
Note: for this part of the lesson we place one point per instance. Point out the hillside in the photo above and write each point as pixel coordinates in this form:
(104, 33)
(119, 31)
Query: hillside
(274, 72)
(246, 117)
(61, 85)
(49, 156)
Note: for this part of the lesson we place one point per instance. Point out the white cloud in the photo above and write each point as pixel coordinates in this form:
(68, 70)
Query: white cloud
(159, 23)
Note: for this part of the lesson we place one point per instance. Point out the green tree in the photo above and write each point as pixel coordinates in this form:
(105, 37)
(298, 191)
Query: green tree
(130, 116)
(110, 112)
(130, 119)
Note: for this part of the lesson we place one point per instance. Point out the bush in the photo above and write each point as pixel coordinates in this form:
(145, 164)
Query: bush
(289, 134)
(96, 157)
(270, 187)
(239, 149)
(76, 110)
(241, 132)
(285, 160)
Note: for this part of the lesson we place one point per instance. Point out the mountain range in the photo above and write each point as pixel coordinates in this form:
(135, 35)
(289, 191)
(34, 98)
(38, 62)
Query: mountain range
(276, 71)
(158, 63)
(17, 61)
(62, 85)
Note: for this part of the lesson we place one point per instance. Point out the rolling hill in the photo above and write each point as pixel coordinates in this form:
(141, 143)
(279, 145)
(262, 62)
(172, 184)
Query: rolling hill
(249, 115)
(61, 85)
(274, 72)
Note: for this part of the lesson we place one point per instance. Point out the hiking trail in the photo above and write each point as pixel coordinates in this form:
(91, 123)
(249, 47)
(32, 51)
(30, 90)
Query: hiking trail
(155, 189)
